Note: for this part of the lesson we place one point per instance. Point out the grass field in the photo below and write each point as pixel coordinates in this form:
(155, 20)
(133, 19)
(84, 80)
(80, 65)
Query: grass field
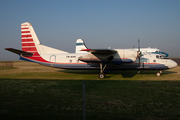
(31, 91)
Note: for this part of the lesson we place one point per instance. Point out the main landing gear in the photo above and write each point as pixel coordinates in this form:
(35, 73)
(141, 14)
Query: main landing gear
(101, 74)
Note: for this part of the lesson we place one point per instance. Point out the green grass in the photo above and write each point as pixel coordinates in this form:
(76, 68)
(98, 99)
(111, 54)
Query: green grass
(92, 75)
(32, 91)
(62, 99)
(5, 68)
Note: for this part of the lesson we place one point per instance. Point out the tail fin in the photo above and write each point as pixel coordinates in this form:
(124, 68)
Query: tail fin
(80, 45)
(30, 41)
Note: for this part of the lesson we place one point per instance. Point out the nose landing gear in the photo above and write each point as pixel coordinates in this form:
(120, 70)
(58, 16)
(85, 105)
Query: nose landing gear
(159, 73)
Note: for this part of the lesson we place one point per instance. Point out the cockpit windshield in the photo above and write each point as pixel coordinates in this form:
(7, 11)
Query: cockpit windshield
(159, 56)
(157, 51)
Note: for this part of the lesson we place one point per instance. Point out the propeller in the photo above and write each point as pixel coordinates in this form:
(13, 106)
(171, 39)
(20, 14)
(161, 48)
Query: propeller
(139, 52)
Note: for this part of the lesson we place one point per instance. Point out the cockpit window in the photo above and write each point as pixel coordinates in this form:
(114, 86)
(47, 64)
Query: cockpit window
(159, 56)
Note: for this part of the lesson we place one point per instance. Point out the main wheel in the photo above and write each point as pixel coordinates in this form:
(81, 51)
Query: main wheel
(102, 75)
(158, 74)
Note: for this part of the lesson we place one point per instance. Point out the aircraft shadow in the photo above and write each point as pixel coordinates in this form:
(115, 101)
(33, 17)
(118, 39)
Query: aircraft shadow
(124, 73)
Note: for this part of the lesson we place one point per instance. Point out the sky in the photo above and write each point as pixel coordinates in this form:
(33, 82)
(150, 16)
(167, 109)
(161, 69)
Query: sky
(117, 24)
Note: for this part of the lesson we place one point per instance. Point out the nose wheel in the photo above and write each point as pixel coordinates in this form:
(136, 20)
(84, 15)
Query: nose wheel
(158, 73)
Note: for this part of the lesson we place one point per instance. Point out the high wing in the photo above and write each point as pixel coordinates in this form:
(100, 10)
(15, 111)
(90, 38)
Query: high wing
(19, 52)
(100, 51)
(98, 55)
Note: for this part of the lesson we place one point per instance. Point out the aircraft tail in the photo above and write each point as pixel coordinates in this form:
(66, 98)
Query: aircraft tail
(31, 43)
(80, 45)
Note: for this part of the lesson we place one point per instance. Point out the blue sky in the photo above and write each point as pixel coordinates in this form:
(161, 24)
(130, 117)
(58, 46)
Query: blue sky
(101, 23)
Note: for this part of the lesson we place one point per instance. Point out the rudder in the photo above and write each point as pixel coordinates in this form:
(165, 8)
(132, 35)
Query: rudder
(28, 38)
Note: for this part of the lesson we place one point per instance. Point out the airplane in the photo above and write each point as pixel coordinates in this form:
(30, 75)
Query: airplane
(85, 58)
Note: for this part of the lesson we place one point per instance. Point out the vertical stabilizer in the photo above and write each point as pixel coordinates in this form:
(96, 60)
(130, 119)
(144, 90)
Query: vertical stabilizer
(80, 45)
(31, 43)
(29, 38)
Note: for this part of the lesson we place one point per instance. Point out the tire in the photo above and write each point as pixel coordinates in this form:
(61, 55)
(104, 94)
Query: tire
(102, 75)
(158, 74)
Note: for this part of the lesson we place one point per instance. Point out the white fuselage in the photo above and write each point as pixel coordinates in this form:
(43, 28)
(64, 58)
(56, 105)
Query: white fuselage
(71, 61)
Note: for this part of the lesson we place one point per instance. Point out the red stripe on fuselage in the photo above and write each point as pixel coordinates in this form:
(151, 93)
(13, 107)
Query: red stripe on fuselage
(101, 58)
(37, 58)
(40, 59)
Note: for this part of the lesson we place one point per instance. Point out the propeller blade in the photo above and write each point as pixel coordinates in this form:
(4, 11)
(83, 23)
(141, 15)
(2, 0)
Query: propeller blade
(138, 45)
(139, 52)
(139, 62)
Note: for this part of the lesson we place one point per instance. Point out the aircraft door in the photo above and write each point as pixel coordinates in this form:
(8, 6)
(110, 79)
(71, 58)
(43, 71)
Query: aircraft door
(146, 63)
(52, 60)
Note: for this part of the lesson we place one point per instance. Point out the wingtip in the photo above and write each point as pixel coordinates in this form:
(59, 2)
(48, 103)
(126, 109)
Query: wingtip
(7, 48)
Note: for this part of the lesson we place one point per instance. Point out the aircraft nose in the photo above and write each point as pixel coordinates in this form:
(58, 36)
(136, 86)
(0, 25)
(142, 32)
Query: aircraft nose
(172, 64)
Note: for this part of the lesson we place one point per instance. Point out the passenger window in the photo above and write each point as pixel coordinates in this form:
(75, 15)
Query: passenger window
(154, 60)
(157, 56)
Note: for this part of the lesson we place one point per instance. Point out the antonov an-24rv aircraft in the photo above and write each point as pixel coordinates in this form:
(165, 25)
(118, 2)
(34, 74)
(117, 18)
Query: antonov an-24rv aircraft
(87, 59)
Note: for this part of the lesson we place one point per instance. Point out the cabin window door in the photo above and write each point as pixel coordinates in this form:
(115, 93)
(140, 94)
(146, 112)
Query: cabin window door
(52, 59)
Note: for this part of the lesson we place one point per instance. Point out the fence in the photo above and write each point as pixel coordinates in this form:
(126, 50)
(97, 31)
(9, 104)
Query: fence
(6, 64)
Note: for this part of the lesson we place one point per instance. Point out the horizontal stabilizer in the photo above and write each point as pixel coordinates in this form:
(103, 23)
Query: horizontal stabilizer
(19, 52)
(100, 51)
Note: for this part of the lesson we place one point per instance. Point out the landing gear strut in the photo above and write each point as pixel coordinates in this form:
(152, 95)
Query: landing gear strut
(101, 74)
